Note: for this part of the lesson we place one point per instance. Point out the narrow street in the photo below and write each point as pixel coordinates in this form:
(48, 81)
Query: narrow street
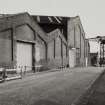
(52, 88)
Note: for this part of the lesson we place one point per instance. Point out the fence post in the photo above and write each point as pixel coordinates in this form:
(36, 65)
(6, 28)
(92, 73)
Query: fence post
(4, 74)
(20, 71)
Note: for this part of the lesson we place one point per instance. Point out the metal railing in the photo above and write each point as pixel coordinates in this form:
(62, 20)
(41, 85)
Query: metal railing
(13, 72)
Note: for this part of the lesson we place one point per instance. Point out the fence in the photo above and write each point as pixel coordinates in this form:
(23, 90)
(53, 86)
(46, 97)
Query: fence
(14, 72)
(18, 72)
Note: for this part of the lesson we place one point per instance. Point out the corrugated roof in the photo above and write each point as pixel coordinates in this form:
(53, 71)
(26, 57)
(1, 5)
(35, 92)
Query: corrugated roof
(51, 19)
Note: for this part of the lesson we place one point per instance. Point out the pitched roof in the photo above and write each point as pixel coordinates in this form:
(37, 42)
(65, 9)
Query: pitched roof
(9, 21)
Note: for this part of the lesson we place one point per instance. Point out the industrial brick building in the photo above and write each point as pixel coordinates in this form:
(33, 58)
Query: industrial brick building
(76, 42)
(56, 30)
(18, 35)
(26, 42)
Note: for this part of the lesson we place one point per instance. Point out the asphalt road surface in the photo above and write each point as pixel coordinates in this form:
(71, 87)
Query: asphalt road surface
(52, 88)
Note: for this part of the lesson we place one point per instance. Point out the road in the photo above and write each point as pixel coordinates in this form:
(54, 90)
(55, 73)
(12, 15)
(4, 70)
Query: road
(52, 88)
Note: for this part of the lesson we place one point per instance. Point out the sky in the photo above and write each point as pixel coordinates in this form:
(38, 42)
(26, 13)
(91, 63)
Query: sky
(91, 12)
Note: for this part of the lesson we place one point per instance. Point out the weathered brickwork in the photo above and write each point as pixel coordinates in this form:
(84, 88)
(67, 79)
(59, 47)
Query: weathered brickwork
(71, 34)
(64, 50)
(24, 32)
(50, 50)
(77, 36)
(40, 51)
(58, 49)
(5, 47)
(22, 28)
(76, 39)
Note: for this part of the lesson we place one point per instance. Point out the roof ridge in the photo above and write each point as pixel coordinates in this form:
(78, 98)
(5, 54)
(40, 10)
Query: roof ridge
(12, 15)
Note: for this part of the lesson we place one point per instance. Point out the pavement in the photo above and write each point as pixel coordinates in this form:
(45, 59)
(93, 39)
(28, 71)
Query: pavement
(61, 87)
(95, 95)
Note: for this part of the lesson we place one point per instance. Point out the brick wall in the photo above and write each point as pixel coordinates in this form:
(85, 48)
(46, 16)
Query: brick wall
(40, 51)
(64, 54)
(25, 29)
(58, 51)
(71, 33)
(24, 32)
(6, 47)
(77, 36)
(51, 50)
(76, 39)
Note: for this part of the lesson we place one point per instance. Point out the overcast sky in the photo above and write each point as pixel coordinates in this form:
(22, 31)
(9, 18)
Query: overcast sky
(91, 12)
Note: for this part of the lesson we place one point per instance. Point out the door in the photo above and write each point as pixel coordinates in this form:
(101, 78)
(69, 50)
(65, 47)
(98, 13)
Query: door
(24, 55)
(72, 58)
